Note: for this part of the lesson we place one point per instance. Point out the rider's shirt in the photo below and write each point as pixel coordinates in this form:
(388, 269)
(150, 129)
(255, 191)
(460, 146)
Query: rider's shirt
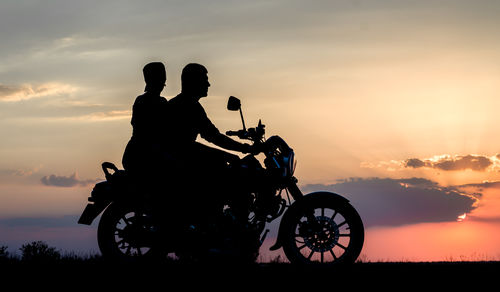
(149, 136)
(189, 119)
(150, 119)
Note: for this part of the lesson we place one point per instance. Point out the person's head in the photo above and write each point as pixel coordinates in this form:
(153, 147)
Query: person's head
(155, 77)
(194, 79)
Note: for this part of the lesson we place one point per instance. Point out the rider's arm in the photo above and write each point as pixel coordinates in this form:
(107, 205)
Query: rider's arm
(209, 132)
(225, 142)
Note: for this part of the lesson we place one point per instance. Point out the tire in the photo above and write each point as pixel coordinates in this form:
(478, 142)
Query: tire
(125, 233)
(331, 235)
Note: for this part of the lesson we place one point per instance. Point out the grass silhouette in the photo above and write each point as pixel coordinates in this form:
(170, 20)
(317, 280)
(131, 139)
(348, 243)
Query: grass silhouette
(40, 263)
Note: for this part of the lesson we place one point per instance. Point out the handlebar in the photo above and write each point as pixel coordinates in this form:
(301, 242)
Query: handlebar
(253, 134)
(242, 134)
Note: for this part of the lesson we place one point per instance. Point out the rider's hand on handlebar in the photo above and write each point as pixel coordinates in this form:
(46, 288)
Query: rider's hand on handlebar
(252, 149)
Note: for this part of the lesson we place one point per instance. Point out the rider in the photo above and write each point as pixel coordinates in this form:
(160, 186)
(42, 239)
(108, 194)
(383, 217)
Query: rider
(188, 120)
(145, 154)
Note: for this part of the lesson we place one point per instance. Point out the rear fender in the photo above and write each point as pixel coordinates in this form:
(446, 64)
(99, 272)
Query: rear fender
(91, 211)
(102, 195)
(295, 207)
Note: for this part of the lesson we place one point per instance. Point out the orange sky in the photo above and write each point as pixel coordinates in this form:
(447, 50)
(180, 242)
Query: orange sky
(475, 238)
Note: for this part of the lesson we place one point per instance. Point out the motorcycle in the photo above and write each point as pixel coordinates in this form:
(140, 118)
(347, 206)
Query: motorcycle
(319, 228)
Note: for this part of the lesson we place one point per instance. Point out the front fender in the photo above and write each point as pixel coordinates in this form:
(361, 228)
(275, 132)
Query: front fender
(296, 206)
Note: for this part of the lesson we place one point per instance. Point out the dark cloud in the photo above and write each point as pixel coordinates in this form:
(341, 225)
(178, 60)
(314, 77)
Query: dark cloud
(479, 163)
(480, 187)
(473, 162)
(65, 181)
(414, 163)
(62, 232)
(395, 202)
(40, 222)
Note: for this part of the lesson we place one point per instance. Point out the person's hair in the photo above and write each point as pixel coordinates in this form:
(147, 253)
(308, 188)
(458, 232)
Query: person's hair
(191, 74)
(155, 75)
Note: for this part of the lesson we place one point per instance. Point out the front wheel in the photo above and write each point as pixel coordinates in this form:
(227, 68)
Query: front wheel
(323, 229)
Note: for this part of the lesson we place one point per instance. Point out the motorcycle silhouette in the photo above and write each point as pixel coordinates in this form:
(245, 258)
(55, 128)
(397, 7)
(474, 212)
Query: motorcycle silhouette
(319, 228)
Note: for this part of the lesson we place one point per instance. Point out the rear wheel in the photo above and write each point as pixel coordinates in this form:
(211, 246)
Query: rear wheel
(127, 233)
(323, 230)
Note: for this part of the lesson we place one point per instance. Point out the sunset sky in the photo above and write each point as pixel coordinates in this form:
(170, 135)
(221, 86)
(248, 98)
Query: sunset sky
(393, 104)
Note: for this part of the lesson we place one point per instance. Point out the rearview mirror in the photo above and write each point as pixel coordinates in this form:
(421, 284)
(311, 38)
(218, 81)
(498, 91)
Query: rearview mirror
(233, 104)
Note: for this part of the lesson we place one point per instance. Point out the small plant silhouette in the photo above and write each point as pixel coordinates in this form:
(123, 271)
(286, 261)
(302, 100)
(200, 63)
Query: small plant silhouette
(4, 254)
(39, 251)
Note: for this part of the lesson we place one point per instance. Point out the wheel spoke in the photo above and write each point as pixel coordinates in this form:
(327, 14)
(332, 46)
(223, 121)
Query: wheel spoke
(122, 245)
(334, 214)
(345, 235)
(126, 220)
(299, 241)
(302, 246)
(333, 254)
(341, 246)
(343, 223)
(310, 255)
(322, 257)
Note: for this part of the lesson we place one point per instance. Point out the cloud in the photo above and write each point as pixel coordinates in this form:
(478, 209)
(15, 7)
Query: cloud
(14, 93)
(66, 181)
(415, 163)
(395, 202)
(103, 116)
(473, 162)
(40, 222)
(106, 116)
(483, 185)
(20, 172)
(446, 162)
(60, 231)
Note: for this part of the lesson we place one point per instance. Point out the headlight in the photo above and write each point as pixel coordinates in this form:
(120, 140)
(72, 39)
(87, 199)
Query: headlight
(290, 163)
(293, 163)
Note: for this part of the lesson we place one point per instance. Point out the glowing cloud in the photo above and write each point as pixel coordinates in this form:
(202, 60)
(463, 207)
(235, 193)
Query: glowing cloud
(473, 162)
(107, 116)
(14, 93)
(442, 162)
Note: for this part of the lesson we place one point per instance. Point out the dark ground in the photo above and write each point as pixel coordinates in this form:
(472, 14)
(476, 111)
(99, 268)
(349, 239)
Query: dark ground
(99, 275)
